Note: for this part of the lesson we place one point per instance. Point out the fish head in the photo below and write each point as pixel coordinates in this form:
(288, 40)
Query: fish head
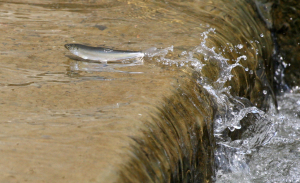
(70, 46)
(73, 48)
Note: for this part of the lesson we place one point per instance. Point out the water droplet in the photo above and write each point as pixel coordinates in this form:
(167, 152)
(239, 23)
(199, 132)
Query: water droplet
(265, 92)
(239, 46)
(284, 64)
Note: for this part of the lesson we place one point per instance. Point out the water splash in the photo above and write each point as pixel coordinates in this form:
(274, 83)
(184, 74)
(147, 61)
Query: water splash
(239, 126)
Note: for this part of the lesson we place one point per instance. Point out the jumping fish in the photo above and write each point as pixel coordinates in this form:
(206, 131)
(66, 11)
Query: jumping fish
(101, 53)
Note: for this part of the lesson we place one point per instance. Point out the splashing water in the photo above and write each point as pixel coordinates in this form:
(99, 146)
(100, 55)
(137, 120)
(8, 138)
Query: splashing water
(239, 127)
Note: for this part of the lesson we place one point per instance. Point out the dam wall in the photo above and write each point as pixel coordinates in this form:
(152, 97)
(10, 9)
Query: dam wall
(155, 120)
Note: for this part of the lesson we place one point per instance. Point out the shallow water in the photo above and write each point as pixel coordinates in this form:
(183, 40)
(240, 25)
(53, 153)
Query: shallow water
(63, 119)
(68, 120)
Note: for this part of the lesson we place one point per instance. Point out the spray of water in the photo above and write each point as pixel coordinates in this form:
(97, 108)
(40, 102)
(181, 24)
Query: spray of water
(239, 127)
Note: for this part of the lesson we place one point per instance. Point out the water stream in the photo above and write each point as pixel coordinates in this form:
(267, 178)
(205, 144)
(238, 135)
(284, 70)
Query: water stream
(202, 108)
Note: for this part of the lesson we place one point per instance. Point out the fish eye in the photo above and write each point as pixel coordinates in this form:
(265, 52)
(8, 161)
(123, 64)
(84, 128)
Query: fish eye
(68, 46)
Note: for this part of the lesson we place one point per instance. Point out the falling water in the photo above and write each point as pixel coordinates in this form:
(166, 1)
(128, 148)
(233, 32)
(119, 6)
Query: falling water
(201, 108)
(238, 127)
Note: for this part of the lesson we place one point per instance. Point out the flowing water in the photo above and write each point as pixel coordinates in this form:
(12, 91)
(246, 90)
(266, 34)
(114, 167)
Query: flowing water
(70, 120)
(278, 160)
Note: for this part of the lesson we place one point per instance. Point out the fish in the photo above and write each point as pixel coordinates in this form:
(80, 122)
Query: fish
(101, 53)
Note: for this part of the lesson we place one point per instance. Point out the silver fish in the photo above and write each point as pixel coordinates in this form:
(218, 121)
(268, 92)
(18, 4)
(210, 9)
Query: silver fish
(101, 53)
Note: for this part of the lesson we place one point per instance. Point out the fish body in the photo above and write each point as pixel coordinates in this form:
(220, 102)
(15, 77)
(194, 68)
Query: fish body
(101, 53)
